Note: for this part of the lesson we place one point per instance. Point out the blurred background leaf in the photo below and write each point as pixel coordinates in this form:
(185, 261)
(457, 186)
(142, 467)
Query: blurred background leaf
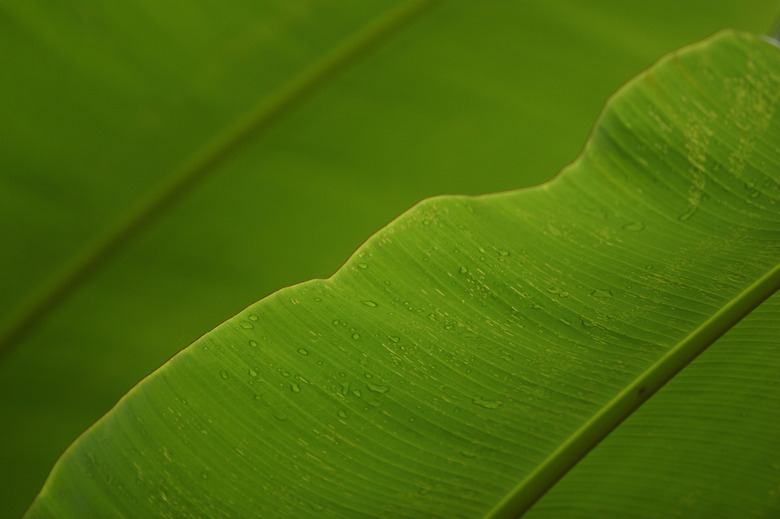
(101, 101)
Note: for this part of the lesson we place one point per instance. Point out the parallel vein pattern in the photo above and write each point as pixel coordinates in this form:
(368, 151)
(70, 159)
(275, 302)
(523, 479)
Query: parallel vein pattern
(472, 337)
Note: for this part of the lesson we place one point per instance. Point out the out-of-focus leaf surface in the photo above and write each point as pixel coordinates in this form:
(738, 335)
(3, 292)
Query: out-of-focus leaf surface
(474, 349)
(100, 101)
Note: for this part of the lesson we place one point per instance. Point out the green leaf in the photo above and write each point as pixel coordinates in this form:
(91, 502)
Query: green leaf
(471, 352)
(102, 102)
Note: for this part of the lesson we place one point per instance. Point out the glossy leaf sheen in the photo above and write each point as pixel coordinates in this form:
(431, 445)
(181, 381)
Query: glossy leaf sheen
(464, 343)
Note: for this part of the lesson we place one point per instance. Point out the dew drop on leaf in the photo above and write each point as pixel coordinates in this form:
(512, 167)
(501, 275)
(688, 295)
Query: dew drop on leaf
(303, 351)
(487, 404)
(687, 214)
(342, 414)
(370, 304)
(634, 226)
(223, 374)
(377, 388)
(356, 336)
(394, 339)
(362, 266)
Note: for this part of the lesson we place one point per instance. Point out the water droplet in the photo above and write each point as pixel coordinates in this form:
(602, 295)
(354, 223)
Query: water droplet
(558, 292)
(342, 414)
(280, 416)
(252, 373)
(377, 388)
(302, 351)
(687, 214)
(283, 372)
(449, 326)
(755, 193)
(223, 374)
(253, 344)
(362, 266)
(587, 323)
(601, 294)
(735, 277)
(357, 393)
(426, 222)
(246, 325)
(536, 306)
(345, 388)
(463, 270)
(253, 317)
(503, 253)
(370, 303)
(634, 226)
(356, 336)
(204, 474)
(395, 339)
(295, 387)
(487, 404)
(374, 403)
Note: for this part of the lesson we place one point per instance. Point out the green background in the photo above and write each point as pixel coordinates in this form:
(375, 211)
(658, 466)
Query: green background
(101, 101)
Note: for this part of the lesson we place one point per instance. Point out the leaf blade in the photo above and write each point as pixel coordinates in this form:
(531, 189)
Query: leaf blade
(347, 290)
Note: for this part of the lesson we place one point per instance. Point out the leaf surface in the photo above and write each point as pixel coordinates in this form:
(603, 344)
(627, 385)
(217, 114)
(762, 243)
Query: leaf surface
(472, 351)
(100, 104)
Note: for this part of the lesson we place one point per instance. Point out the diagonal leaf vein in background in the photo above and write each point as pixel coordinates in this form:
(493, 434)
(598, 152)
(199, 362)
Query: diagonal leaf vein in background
(71, 275)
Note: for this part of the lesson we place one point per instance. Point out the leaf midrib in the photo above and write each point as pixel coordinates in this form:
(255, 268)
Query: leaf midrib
(195, 169)
(581, 441)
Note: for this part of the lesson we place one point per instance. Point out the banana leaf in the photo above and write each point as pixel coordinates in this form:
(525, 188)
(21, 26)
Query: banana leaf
(473, 351)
